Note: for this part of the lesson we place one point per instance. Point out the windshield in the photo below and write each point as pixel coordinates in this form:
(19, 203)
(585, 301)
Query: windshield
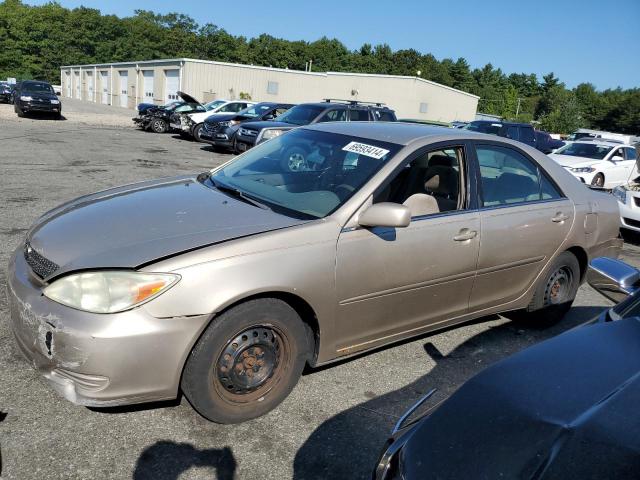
(484, 127)
(588, 150)
(304, 173)
(214, 104)
(255, 110)
(37, 87)
(300, 114)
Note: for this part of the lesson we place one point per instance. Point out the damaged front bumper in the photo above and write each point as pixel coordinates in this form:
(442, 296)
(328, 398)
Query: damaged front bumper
(98, 359)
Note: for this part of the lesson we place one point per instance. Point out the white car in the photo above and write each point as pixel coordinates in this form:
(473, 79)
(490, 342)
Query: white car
(601, 163)
(191, 123)
(628, 197)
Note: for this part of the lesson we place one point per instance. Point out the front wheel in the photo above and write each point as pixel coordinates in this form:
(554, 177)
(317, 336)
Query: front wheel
(246, 362)
(159, 126)
(18, 111)
(196, 132)
(598, 180)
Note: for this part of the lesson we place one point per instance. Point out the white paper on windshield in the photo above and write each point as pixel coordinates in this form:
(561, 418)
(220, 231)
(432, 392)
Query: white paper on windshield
(364, 149)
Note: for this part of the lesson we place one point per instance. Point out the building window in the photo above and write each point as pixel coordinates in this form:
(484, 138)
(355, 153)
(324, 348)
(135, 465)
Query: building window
(272, 88)
(423, 107)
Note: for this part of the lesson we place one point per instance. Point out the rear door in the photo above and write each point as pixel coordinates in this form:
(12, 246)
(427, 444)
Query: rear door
(524, 217)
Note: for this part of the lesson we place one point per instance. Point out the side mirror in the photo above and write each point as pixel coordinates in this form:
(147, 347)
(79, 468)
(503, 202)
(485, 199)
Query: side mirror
(617, 158)
(386, 214)
(613, 278)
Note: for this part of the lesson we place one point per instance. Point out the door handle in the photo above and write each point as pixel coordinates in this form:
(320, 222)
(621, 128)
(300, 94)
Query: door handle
(465, 234)
(559, 218)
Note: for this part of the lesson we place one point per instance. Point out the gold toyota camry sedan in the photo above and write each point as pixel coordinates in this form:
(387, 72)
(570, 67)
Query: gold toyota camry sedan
(224, 285)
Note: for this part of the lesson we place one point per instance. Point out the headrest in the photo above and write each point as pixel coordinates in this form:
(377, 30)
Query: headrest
(442, 160)
(441, 180)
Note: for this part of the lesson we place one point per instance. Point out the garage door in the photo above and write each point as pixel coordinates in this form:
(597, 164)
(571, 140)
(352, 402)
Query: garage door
(148, 85)
(67, 79)
(104, 85)
(124, 85)
(90, 86)
(76, 79)
(171, 84)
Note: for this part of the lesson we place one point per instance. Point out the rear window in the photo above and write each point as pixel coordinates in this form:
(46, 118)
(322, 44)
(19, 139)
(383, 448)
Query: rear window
(485, 127)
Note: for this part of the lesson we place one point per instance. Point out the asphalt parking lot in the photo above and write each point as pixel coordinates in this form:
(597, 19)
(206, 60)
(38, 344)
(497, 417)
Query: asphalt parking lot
(333, 424)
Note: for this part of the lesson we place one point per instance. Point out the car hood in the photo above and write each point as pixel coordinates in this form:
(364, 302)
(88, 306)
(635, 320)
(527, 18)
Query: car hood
(220, 117)
(40, 95)
(570, 161)
(188, 98)
(259, 125)
(565, 408)
(131, 226)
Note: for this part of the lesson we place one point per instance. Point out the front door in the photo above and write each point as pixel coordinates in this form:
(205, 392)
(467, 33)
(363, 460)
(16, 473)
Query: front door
(525, 218)
(392, 282)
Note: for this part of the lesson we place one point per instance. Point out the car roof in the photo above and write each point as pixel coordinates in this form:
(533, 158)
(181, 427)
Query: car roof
(502, 122)
(603, 142)
(400, 133)
(345, 104)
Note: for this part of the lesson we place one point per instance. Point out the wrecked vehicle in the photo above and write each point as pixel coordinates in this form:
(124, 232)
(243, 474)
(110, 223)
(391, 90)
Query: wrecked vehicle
(220, 129)
(157, 118)
(564, 408)
(143, 107)
(190, 124)
(224, 285)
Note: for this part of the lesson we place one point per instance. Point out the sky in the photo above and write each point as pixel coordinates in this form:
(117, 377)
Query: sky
(579, 40)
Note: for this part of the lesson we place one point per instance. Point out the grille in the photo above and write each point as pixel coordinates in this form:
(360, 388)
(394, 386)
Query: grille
(211, 127)
(248, 133)
(40, 265)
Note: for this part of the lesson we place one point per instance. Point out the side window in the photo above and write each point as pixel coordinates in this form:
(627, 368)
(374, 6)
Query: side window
(618, 153)
(430, 184)
(280, 111)
(527, 135)
(383, 116)
(631, 153)
(358, 115)
(512, 133)
(336, 115)
(232, 107)
(509, 177)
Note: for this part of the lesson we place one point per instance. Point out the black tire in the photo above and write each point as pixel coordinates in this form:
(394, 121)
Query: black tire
(58, 116)
(196, 132)
(598, 180)
(158, 125)
(554, 293)
(18, 111)
(294, 159)
(224, 379)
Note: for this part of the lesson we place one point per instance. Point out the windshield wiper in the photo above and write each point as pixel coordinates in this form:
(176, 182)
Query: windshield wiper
(239, 194)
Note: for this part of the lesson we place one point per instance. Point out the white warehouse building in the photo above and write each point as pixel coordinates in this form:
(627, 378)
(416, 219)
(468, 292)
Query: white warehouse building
(126, 84)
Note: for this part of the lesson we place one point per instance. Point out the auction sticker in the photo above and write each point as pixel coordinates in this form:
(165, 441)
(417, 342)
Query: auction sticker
(364, 149)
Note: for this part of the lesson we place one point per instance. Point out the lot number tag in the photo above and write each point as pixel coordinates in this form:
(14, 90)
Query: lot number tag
(364, 149)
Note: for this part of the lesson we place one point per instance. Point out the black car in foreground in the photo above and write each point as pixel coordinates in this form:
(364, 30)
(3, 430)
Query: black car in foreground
(220, 128)
(157, 118)
(566, 408)
(5, 92)
(36, 96)
(252, 133)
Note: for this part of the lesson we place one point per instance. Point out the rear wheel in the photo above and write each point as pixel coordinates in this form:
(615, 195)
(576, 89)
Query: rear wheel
(555, 291)
(598, 180)
(246, 362)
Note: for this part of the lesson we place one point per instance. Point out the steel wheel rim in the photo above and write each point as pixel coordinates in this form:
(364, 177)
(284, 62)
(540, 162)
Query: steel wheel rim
(558, 287)
(251, 364)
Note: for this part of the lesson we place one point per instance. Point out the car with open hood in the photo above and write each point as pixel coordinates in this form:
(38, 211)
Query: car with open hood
(224, 285)
(190, 124)
(564, 408)
(33, 96)
(329, 110)
(601, 163)
(157, 118)
(220, 129)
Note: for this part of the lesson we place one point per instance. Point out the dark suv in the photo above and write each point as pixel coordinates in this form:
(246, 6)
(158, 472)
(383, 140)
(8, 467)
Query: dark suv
(252, 133)
(523, 132)
(35, 96)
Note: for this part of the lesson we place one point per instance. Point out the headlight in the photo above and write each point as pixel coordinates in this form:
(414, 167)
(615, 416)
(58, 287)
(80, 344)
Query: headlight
(270, 133)
(108, 291)
(26, 98)
(225, 124)
(583, 170)
(55, 102)
(620, 193)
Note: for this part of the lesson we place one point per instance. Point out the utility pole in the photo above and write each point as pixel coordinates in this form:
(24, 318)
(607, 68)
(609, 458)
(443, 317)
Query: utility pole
(518, 108)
